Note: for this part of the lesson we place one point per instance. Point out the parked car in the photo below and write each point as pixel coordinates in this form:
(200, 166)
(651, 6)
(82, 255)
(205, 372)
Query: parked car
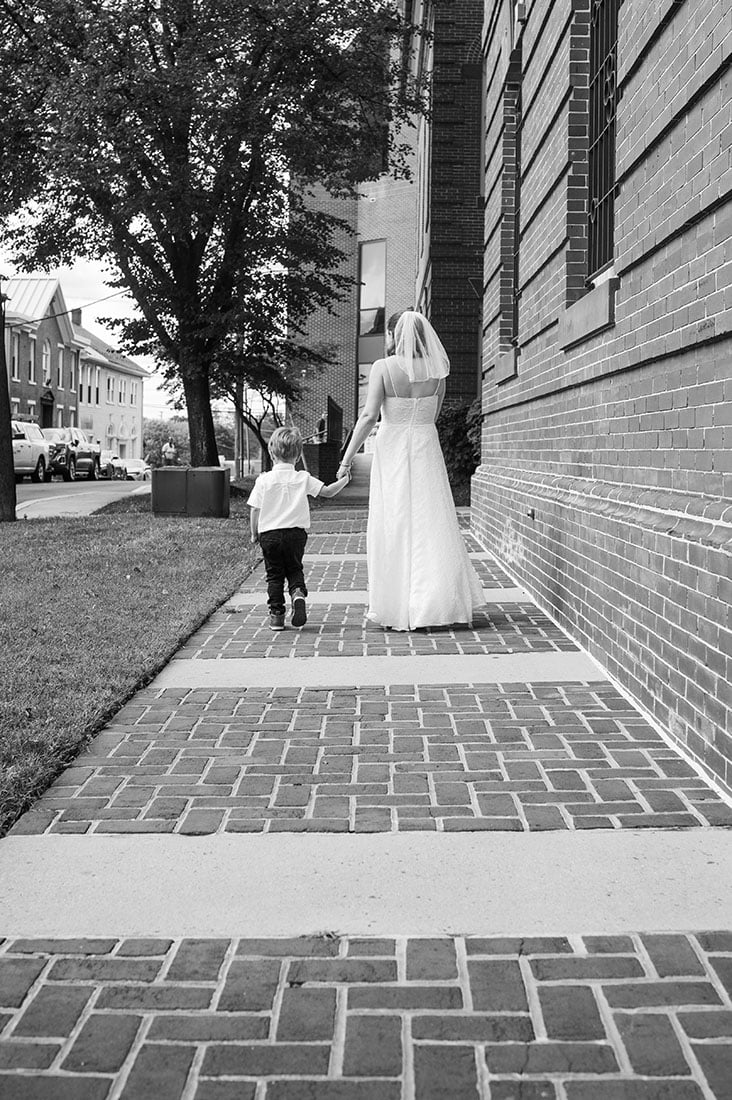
(30, 450)
(73, 452)
(112, 466)
(60, 458)
(137, 469)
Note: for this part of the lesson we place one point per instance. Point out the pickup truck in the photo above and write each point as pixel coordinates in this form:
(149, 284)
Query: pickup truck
(30, 450)
(72, 452)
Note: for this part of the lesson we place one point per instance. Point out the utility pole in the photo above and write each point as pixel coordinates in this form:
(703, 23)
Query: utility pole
(7, 470)
(245, 428)
(238, 431)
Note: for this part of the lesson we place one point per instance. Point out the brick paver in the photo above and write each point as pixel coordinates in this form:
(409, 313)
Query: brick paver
(625, 1016)
(452, 757)
(340, 521)
(335, 630)
(322, 542)
(332, 573)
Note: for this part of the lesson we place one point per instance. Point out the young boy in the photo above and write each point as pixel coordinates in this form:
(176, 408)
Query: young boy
(280, 519)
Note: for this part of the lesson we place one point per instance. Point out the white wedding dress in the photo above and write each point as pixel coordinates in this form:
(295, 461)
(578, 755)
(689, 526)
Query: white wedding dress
(419, 572)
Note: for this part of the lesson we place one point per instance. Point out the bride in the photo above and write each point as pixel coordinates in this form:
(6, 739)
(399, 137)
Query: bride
(418, 567)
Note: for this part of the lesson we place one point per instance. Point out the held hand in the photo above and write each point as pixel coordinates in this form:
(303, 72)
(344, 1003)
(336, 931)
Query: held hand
(343, 471)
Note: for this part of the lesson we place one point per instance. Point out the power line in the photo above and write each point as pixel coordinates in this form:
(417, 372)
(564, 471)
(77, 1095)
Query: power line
(65, 312)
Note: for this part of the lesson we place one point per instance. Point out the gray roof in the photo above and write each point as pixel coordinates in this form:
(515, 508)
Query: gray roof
(99, 350)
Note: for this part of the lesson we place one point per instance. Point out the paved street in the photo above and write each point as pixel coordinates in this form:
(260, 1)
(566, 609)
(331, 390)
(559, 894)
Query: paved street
(344, 863)
(61, 498)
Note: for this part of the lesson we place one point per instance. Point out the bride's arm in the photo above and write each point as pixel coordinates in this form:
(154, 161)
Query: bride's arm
(368, 418)
(440, 396)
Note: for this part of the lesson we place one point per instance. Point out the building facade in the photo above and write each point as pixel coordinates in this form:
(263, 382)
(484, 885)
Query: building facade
(62, 375)
(110, 394)
(379, 262)
(605, 481)
(42, 354)
(449, 249)
(416, 242)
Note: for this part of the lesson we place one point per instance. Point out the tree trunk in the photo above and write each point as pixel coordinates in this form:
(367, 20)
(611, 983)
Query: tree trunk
(239, 430)
(204, 450)
(7, 471)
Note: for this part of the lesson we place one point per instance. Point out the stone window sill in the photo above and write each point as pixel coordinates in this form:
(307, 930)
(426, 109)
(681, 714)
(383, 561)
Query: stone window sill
(506, 366)
(590, 315)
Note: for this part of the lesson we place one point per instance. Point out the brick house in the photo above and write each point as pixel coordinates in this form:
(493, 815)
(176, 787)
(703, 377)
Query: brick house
(62, 375)
(606, 474)
(42, 353)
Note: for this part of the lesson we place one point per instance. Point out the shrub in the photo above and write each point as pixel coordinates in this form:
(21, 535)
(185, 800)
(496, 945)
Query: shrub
(458, 427)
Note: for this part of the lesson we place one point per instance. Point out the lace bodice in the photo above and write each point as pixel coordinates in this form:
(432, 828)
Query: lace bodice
(408, 411)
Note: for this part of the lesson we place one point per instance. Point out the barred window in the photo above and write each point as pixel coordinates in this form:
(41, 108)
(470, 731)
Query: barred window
(603, 103)
(511, 203)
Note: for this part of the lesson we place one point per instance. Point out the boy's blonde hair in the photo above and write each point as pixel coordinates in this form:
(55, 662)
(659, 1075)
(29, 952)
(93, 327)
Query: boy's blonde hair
(285, 444)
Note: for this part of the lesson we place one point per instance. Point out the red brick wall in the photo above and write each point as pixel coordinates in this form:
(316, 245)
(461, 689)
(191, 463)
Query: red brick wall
(621, 441)
(25, 391)
(451, 279)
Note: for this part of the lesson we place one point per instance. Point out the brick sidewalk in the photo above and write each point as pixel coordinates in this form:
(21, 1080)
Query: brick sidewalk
(345, 1018)
(564, 756)
(340, 1017)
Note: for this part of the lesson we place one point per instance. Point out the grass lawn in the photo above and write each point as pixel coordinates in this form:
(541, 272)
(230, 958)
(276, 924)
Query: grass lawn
(91, 609)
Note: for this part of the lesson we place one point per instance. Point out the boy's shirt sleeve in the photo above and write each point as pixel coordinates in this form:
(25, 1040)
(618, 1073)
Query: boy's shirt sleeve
(257, 494)
(314, 485)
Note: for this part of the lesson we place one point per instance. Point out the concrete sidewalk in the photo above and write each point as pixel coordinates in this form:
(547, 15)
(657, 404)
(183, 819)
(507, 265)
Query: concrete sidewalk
(344, 862)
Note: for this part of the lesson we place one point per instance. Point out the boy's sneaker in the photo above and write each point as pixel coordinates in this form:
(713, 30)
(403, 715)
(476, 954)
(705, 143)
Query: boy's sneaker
(299, 608)
(277, 622)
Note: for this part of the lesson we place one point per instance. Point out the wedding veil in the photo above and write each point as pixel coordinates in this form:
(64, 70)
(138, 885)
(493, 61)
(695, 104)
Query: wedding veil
(419, 348)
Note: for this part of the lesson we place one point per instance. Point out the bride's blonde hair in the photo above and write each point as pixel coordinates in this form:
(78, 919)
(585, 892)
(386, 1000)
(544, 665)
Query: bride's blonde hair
(391, 324)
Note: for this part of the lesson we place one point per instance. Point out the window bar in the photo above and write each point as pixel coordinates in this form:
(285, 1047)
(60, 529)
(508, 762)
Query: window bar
(603, 104)
(517, 215)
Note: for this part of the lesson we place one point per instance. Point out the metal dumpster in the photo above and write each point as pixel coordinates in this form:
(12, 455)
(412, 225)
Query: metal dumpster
(207, 491)
(169, 490)
(190, 491)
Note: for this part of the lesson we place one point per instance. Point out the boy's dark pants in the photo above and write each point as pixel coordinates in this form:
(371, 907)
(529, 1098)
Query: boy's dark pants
(283, 550)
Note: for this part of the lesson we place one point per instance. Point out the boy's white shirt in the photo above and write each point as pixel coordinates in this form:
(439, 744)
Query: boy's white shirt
(282, 497)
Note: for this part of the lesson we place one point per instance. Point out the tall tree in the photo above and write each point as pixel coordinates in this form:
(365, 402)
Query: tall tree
(179, 140)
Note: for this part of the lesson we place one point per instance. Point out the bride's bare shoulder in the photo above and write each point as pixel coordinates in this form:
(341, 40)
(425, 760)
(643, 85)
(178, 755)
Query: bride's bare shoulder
(380, 369)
